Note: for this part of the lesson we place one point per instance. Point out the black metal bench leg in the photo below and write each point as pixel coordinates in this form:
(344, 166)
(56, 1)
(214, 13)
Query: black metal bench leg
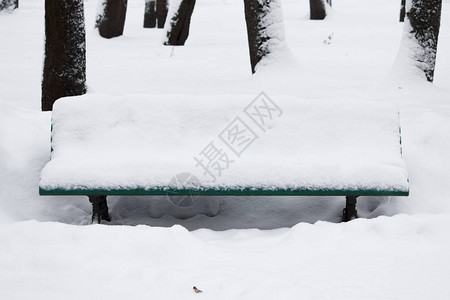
(349, 212)
(99, 208)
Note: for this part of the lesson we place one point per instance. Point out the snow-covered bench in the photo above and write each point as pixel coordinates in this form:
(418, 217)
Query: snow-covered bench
(228, 145)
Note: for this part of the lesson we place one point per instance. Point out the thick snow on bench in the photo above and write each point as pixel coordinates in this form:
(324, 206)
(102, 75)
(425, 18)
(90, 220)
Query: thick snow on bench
(142, 142)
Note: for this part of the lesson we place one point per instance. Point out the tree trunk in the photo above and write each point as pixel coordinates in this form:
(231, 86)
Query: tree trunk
(9, 4)
(161, 12)
(65, 52)
(180, 22)
(111, 18)
(425, 20)
(317, 8)
(402, 11)
(150, 14)
(265, 29)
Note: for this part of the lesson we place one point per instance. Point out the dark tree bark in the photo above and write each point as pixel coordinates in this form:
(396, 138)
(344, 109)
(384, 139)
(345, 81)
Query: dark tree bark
(150, 14)
(318, 9)
(264, 29)
(155, 10)
(9, 4)
(402, 11)
(65, 51)
(180, 23)
(111, 20)
(161, 12)
(425, 19)
(254, 15)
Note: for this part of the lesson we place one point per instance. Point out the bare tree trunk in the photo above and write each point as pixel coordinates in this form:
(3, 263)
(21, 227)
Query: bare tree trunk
(155, 10)
(65, 51)
(317, 8)
(402, 11)
(180, 23)
(9, 4)
(425, 20)
(111, 19)
(150, 14)
(161, 12)
(254, 16)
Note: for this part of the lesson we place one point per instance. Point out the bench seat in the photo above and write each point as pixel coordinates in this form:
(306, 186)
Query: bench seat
(282, 145)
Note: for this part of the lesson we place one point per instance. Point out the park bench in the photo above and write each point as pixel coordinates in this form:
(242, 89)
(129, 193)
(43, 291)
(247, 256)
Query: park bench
(228, 145)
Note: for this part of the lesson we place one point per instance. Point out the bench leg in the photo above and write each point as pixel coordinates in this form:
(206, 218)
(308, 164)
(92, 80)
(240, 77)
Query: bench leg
(99, 208)
(349, 213)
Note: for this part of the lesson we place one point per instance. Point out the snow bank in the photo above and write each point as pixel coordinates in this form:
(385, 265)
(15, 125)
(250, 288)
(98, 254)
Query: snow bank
(401, 257)
(426, 143)
(22, 155)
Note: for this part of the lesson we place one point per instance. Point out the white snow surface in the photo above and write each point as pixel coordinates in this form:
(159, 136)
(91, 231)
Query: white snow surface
(129, 142)
(255, 247)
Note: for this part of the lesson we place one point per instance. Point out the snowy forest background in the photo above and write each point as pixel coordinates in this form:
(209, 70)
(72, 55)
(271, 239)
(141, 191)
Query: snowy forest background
(256, 247)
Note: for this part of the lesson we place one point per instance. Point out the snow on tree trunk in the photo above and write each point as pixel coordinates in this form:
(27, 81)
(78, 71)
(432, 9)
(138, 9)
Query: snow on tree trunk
(111, 18)
(9, 5)
(265, 31)
(420, 37)
(65, 51)
(180, 12)
(150, 14)
(402, 11)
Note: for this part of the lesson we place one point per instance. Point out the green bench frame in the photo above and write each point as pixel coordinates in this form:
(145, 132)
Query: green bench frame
(98, 197)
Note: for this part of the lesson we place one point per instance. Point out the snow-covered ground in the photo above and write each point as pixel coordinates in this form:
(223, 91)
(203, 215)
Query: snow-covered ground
(256, 247)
